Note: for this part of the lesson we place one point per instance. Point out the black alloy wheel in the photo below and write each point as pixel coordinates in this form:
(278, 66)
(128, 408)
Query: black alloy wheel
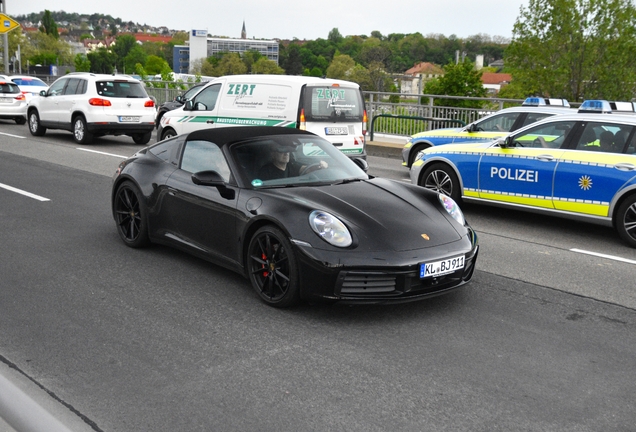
(626, 221)
(441, 178)
(130, 216)
(272, 267)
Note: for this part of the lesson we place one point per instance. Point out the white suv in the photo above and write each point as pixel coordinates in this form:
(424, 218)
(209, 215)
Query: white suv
(94, 105)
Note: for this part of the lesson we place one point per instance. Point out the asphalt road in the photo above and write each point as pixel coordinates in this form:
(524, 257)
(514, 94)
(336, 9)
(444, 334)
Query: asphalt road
(118, 339)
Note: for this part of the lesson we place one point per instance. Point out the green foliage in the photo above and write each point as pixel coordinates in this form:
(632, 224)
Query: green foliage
(49, 26)
(155, 65)
(459, 79)
(82, 64)
(340, 67)
(265, 66)
(135, 56)
(102, 61)
(575, 49)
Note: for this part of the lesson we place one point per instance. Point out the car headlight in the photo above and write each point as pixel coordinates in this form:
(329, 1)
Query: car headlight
(452, 208)
(330, 228)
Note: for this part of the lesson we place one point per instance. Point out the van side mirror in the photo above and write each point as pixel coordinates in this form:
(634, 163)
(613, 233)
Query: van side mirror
(188, 106)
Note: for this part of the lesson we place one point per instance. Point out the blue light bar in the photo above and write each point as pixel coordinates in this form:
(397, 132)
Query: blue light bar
(539, 101)
(595, 106)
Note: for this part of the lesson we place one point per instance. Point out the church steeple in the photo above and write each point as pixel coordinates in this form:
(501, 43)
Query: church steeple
(243, 32)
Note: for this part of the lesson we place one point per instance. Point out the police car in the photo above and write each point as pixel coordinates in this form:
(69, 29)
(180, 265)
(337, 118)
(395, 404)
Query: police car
(581, 166)
(486, 129)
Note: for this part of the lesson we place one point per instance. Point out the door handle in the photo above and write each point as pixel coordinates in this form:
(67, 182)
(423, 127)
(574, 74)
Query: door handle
(545, 158)
(209, 121)
(624, 166)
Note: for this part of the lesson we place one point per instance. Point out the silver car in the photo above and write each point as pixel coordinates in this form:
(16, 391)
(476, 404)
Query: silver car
(13, 103)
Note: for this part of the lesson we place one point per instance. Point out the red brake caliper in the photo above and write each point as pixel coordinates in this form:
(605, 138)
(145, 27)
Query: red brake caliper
(265, 272)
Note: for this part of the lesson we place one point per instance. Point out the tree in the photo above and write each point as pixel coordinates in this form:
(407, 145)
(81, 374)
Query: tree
(49, 26)
(102, 61)
(293, 64)
(121, 48)
(154, 65)
(575, 49)
(265, 66)
(459, 79)
(135, 55)
(340, 67)
(82, 64)
(231, 64)
(334, 36)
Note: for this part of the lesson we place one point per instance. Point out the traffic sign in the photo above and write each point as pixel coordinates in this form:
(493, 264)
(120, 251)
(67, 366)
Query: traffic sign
(7, 23)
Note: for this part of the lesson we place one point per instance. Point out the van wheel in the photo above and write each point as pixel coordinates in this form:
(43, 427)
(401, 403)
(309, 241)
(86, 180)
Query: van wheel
(168, 133)
(626, 221)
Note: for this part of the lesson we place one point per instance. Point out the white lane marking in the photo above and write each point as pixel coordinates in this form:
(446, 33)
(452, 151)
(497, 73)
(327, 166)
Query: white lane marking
(103, 153)
(11, 135)
(612, 257)
(25, 193)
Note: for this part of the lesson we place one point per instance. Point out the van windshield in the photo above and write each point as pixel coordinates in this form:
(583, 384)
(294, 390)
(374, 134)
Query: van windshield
(337, 104)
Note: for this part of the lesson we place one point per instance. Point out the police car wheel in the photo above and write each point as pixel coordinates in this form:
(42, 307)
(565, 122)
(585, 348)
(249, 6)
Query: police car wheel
(626, 221)
(441, 178)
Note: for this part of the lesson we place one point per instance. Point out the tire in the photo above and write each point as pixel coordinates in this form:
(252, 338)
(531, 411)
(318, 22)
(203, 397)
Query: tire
(272, 267)
(20, 120)
(131, 216)
(80, 131)
(625, 221)
(167, 133)
(35, 127)
(142, 138)
(415, 151)
(441, 178)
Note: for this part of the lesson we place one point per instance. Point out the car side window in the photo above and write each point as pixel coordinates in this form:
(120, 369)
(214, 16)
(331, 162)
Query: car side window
(57, 87)
(71, 87)
(498, 123)
(604, 137)
(201, 155)
(550, 135)
(206, 100)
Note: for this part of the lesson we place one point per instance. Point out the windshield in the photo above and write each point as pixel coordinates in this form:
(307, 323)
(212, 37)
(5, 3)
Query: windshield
(29, 82)
(293, 160)
(121, 89)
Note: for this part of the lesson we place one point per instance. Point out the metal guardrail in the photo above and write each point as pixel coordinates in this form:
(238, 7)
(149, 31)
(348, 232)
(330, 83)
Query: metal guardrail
(426, 119)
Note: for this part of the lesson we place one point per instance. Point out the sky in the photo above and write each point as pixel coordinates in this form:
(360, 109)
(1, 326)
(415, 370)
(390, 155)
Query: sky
(286, 19)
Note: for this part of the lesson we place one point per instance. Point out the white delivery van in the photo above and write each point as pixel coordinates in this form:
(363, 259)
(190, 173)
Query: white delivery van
(332, 109)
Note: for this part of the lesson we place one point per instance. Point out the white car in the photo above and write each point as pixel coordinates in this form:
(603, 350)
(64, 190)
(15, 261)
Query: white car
(30, 86)
(91, 105)
(13, 103)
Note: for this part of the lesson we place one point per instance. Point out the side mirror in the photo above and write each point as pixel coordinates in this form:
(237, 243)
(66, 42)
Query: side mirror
(504, 142)
(179, 99)
(43, 93)
(188, 106)
(472, 128)
(362, 164)
(213, 178)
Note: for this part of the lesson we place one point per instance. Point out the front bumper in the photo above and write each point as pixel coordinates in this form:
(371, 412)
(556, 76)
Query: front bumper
(361, 280)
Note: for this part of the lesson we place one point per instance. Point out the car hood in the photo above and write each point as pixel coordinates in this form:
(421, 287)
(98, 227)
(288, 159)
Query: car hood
(435, 132)
(382, 214)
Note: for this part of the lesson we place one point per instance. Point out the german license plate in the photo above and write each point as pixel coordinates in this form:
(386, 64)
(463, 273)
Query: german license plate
(128, 119)
(336, 131)
(439, 268)
(5, 100)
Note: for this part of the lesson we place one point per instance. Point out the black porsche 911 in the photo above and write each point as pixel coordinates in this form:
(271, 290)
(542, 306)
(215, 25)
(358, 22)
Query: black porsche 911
(289, 211)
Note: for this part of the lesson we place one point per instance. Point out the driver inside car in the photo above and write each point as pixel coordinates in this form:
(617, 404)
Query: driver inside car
(282, 165)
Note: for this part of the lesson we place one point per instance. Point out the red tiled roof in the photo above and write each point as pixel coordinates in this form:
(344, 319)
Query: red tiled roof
(495, 78)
